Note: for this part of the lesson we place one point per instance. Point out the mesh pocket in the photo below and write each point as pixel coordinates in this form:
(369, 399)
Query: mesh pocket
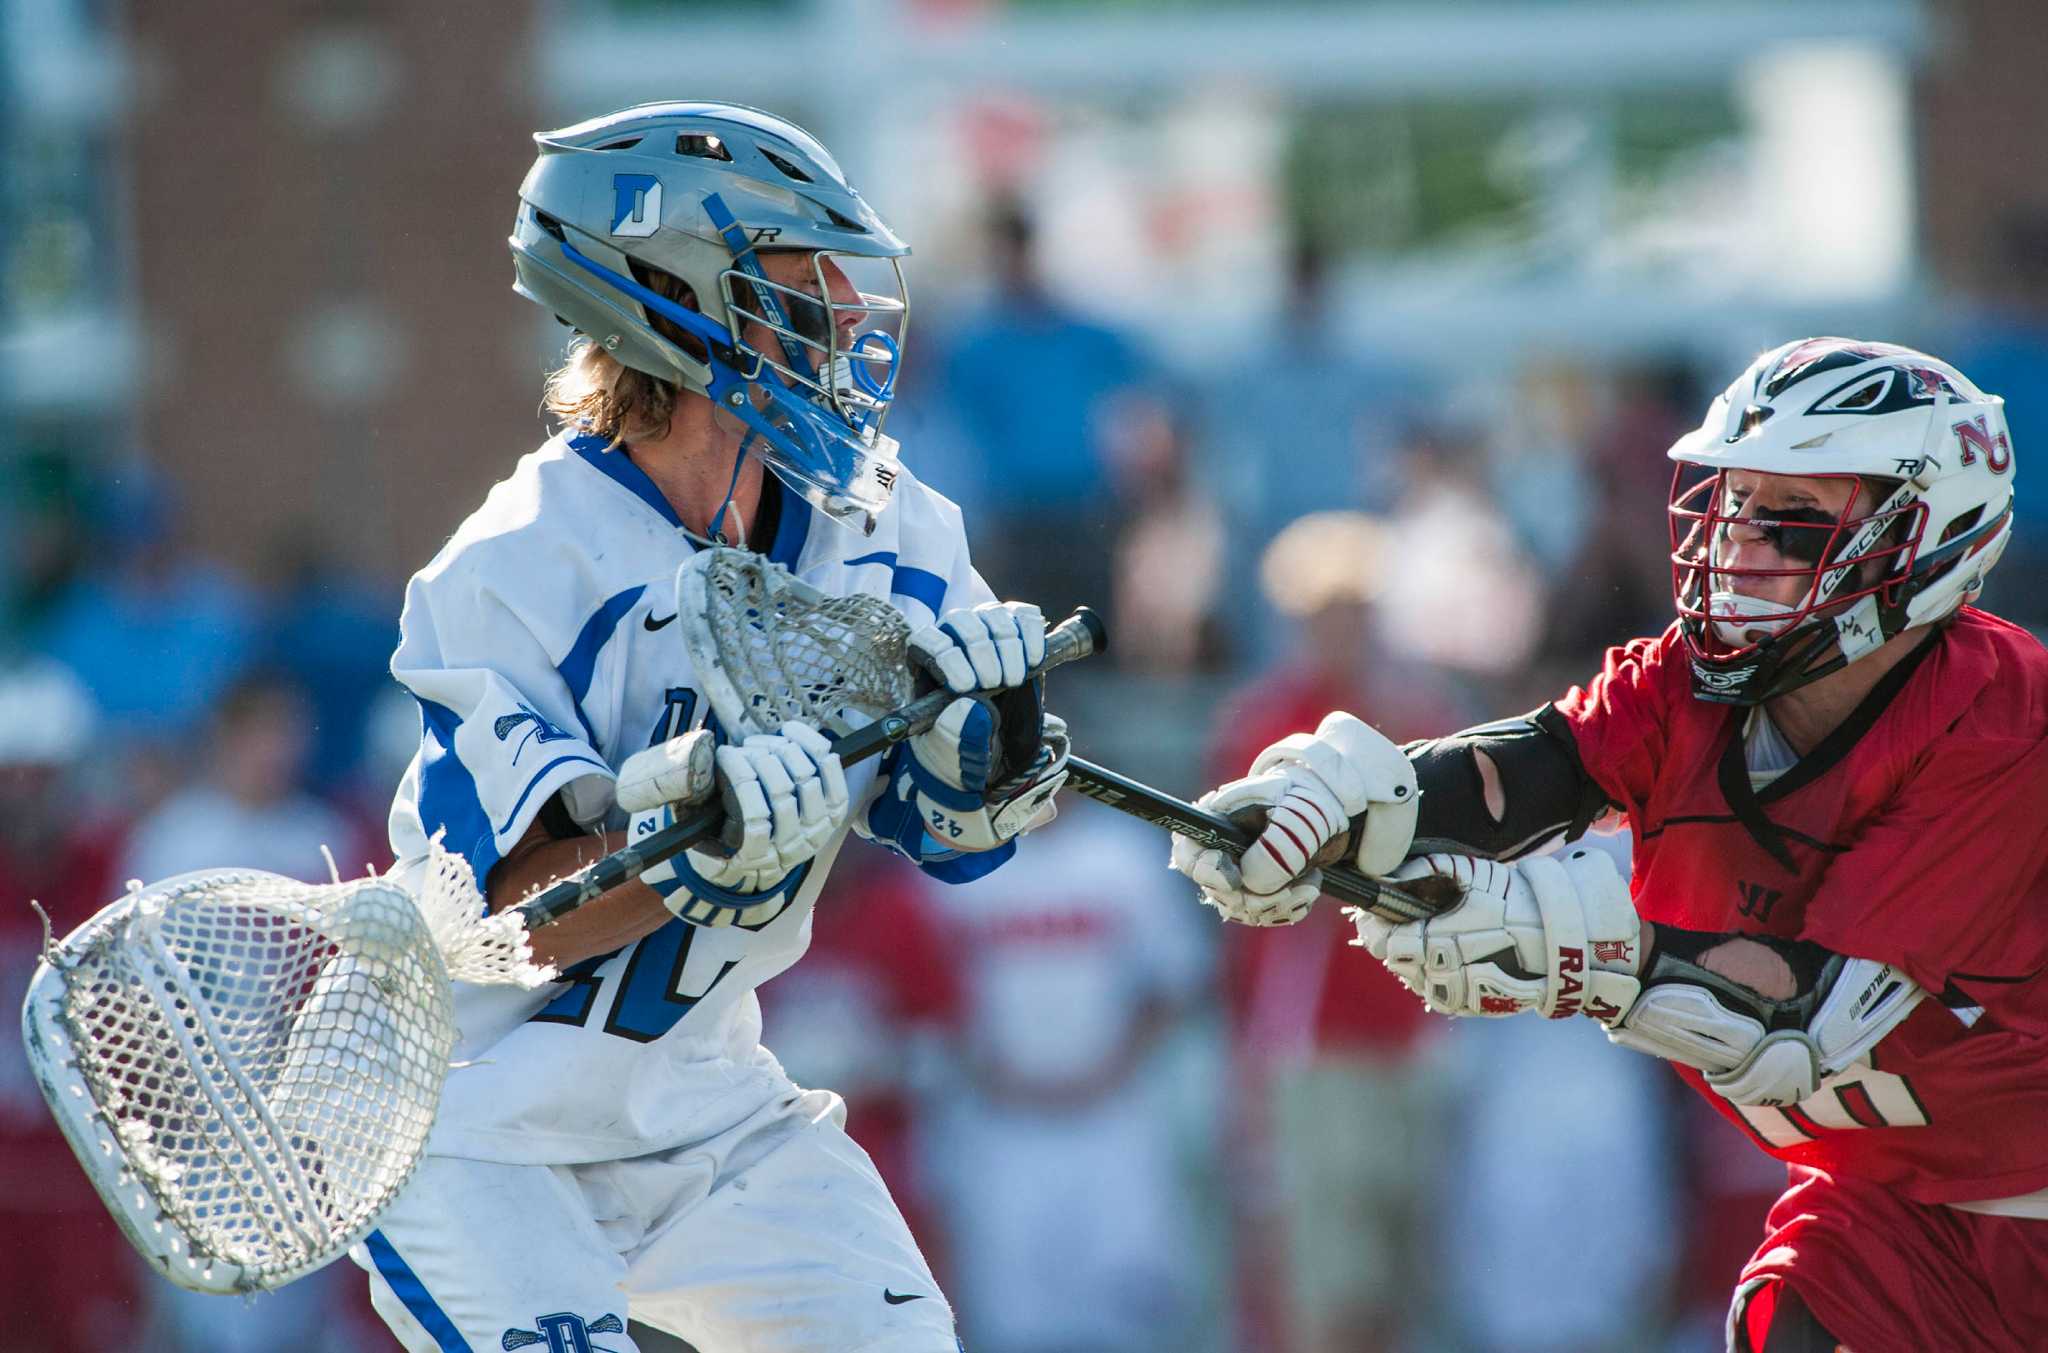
(790, 652)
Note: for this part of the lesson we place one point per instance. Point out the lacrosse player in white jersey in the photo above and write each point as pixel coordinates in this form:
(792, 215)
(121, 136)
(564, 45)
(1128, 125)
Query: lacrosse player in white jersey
(620, 1143)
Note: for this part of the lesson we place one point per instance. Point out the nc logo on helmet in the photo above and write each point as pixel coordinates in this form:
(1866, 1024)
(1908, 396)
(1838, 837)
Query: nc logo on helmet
(636, 205)
(1976, 435)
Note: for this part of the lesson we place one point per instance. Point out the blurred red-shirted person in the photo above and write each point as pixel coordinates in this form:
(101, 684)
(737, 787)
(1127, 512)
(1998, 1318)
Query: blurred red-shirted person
(67, 1280)
(1319, 1037)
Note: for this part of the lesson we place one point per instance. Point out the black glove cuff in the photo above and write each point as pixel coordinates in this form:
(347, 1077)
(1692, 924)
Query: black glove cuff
(1020, 727)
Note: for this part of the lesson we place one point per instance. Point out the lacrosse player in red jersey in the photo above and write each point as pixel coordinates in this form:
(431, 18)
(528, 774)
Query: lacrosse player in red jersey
(620, 1143)
(1835, 772)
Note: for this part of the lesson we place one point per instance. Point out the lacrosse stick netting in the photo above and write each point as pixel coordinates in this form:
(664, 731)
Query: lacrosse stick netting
(248, 1066)
(768, 647)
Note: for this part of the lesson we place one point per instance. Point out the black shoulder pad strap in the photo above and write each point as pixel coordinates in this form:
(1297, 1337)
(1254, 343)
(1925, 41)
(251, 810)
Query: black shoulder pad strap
(1546, 788)
(556, 821)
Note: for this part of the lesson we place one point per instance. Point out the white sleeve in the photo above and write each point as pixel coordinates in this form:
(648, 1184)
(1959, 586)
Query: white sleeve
(933, 566)
(964, 587)
(500, 731)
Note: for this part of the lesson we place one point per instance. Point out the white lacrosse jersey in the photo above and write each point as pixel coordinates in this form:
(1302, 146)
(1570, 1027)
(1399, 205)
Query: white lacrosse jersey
(541, 647)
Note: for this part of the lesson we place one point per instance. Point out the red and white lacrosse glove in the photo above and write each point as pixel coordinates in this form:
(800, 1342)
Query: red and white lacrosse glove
(1310, 789)
(1557, 934)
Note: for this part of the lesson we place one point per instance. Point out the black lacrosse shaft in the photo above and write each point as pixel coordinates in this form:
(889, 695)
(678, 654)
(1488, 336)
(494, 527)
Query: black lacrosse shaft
(1075, 637)
(1205, 828)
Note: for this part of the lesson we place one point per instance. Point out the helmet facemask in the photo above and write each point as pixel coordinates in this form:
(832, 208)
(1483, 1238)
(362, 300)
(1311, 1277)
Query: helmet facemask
(823, 374)
(1930, 463)
(1847, 568)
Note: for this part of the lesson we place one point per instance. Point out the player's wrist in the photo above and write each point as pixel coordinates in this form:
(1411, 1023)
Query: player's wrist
(692, 897)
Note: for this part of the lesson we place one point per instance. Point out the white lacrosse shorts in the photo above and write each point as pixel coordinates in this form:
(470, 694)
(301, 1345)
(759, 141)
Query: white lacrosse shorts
(776, 1235)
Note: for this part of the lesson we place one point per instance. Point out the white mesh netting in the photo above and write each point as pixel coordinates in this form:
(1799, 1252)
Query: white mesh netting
(270, 1054)
(776, 648)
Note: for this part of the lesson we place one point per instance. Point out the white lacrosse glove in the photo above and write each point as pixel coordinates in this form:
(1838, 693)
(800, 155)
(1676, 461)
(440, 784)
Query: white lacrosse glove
(988, 770)
(990, 647)
(956, 776)
(785, 800)
(1557, 934)
(1310, 790)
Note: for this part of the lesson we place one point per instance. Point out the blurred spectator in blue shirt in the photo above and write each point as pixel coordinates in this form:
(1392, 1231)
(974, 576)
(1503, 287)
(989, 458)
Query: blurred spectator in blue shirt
(1302, 424)
(155, 634)
(1032, 384)
(332, 631)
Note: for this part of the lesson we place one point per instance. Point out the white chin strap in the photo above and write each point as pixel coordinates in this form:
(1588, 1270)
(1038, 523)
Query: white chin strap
(1742, 620)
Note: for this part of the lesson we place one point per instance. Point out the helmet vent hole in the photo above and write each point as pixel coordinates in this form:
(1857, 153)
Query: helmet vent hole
(1753, 417)
(785, 166)
(1962, 524)
(626, 144)
(701, 146)
(1864, 395)
(550, 225)
(842, 223)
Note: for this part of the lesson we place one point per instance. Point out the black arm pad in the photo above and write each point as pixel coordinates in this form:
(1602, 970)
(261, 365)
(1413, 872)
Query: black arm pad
(1547, 790)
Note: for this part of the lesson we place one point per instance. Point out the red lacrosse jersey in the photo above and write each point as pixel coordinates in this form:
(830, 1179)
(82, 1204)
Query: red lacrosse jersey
(1918, 836)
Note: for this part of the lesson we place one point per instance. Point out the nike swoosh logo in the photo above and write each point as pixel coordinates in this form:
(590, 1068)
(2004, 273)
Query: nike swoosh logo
(898, 1298)
(652, 624)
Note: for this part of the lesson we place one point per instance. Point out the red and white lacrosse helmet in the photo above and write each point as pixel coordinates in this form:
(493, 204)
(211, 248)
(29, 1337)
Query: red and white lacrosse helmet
(1930, 463)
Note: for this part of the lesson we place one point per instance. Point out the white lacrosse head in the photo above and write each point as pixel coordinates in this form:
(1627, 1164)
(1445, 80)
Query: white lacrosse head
(248, 1066)
(768, 647)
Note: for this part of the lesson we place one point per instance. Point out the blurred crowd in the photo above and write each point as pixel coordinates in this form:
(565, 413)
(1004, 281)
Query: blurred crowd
(1113, 1124)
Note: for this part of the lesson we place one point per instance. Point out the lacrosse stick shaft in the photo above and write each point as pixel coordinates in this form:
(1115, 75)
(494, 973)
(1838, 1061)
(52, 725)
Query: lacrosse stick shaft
(1205, 828)
(1075, 637)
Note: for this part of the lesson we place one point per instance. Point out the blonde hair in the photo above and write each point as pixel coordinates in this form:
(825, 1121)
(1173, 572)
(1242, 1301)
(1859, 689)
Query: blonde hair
(597, 392)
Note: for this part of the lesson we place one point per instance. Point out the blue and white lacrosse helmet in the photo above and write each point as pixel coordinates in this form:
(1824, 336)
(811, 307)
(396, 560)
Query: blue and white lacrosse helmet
(698, 191)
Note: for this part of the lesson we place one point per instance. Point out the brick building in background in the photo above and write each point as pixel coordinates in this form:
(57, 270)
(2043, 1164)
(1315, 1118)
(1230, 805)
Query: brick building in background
(1980, 106)
(319, 199)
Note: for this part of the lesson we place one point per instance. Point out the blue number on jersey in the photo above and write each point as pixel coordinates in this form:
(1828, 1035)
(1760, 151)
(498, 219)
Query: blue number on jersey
(648, 1002)
(648, 1005)
(678, 715)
